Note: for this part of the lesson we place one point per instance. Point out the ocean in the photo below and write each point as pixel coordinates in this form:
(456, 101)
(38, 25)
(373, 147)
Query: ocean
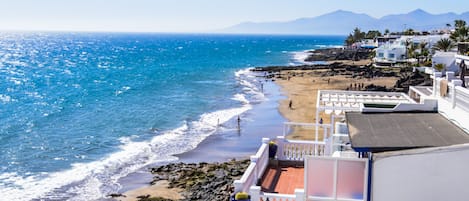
(79, 111)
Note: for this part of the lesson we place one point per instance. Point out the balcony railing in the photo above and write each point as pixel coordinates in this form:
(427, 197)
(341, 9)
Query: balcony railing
(255, 169)
(297, 150)
(287, 150)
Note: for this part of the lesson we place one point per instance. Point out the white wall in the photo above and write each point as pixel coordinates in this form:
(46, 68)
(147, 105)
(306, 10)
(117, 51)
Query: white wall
(447, 58)
(424, 174)
(459, 116)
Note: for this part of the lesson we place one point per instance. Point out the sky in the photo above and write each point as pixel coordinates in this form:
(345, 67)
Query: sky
(190, 15)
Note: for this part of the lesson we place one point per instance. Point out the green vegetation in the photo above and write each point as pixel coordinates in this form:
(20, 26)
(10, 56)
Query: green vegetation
(444, 45)
(357, 35)
(409, 32)
(371, 34)
(440, 67)
(354, 37)
(461, 32)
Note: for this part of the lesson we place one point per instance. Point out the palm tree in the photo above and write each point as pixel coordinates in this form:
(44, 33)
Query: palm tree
(409, 32)
(423, 45)
(386, 31)
(440, 67)
(410, 48)
(461, 32)
(444, 45)
(358, 35)
(459, 23)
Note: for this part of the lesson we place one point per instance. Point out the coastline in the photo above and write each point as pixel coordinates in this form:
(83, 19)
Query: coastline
(300, 86)
(223, 146)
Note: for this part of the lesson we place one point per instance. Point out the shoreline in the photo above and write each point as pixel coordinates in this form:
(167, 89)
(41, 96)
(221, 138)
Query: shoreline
(220, 147)
(292, 83)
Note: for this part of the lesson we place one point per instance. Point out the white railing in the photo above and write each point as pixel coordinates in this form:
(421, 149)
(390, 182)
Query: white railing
(257, 195)
(327, 128)
(256, 168)
(456, 95)
(297, 150)
(461, 98)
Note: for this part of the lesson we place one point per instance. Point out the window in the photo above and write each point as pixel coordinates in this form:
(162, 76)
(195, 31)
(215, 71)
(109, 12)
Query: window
(392, 56)
(380, 55)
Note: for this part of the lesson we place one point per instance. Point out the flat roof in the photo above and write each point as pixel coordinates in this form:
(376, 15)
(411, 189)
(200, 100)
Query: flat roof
(378, 132)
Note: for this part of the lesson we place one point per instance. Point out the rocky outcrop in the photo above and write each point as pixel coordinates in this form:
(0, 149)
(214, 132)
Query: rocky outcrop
(412, 79)
(331, 54)
(202, 181)
(406, 76)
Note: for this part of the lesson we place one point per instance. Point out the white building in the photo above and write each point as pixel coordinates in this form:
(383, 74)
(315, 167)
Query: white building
(446, 58)
(391, 53)
(391, 146)
(394, 52)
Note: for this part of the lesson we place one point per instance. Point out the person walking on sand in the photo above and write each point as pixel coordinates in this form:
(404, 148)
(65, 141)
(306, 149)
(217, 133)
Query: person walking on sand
(239, 123)
(290, 104)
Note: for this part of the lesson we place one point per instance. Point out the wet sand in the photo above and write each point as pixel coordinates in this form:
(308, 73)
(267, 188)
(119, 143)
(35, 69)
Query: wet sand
(264, 120)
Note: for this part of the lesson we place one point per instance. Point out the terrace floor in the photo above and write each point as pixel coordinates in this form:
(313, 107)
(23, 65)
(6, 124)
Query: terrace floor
(283, 179)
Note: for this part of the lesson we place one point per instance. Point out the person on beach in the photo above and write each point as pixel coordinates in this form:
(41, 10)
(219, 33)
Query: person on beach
(239, 123)
(320, 121)
(290, 104)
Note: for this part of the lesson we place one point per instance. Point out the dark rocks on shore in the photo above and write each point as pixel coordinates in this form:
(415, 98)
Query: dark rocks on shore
(412, 79)
(406, 76)
(148, 198)
(202, 181)
(330, 54)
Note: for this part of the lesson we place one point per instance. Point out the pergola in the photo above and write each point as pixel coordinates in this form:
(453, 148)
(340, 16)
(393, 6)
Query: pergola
(337, 102)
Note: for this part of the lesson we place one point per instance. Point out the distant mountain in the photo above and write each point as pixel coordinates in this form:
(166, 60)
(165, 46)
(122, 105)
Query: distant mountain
(342, 22)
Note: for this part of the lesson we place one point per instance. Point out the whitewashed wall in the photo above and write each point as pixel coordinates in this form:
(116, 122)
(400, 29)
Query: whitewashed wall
(447, 58)
(426, 174)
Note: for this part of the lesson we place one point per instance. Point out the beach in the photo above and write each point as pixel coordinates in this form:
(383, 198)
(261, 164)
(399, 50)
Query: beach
(299, 86)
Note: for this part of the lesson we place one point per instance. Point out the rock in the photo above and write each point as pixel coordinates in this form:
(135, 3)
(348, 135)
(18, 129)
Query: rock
(115, 195)
(143, 196)
(154, 199)
(202, 181)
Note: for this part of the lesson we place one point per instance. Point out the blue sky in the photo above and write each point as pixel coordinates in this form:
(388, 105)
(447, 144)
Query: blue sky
(190, 15)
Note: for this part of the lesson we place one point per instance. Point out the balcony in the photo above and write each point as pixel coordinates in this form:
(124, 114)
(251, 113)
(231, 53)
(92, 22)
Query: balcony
(306, 170)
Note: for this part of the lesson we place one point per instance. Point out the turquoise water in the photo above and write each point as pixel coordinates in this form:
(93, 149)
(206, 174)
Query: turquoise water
(78, 111)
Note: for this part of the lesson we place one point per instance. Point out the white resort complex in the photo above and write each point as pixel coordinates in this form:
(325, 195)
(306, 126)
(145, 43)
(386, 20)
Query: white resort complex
(379, 146)
(393, 50)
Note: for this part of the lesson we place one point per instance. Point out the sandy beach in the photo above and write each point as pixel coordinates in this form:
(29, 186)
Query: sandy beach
(299, 86)
(302, 88)
(159, 189)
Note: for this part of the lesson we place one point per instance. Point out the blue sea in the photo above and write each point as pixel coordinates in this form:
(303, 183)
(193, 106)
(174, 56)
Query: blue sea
(79, 111)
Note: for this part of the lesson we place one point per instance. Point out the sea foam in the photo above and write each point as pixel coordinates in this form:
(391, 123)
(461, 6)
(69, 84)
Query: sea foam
(94, 180)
